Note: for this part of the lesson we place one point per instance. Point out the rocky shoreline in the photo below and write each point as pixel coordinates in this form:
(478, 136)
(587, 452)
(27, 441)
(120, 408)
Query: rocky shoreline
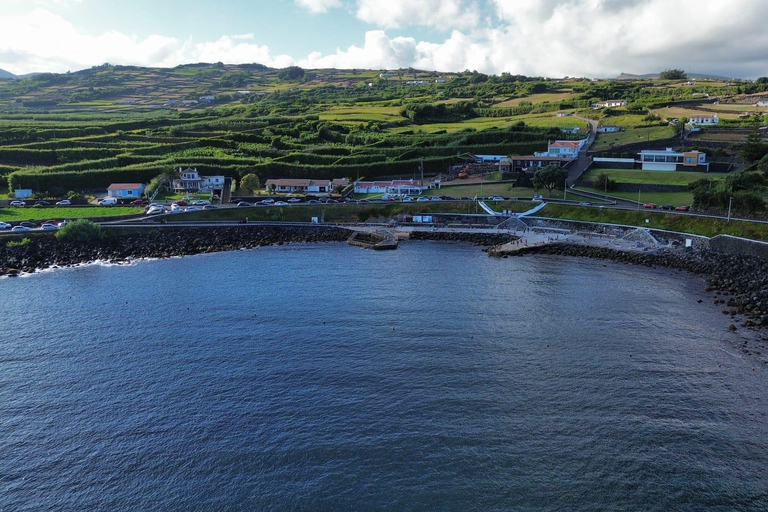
(45, 252)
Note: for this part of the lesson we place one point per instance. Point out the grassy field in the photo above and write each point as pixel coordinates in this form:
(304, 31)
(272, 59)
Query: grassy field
(678, 112)
(546, 120)
(680, 178)
(605, 141)
(68, 212)
(551, 97)
(660, 220)
(674, 198)
(362, 114)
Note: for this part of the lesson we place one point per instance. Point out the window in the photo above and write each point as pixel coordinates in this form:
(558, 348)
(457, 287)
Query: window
(690, 160)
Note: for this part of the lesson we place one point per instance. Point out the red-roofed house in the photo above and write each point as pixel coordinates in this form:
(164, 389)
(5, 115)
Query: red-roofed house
(563, 149)
(125, 190)
(303, 186)
(409, 187)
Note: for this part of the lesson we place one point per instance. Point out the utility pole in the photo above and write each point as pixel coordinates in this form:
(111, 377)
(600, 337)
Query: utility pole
(730, 202)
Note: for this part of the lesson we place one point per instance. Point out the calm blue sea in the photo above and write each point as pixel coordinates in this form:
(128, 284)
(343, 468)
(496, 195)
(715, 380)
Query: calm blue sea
(326, 377)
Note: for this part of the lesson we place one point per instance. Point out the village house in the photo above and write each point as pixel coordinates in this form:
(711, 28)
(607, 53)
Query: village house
(408, 187)
(563, 149)
(608, 129)
(305, 186)
(190, 181)
(669, 160)
(704, 120)
(134, 190)
(610, 104)
(527, 163)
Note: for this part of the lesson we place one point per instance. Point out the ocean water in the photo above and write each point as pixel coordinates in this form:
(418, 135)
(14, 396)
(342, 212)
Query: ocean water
(326, 377)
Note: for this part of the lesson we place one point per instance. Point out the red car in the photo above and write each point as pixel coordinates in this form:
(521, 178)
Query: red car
(683, 208)
(140, 202)
(650, 206)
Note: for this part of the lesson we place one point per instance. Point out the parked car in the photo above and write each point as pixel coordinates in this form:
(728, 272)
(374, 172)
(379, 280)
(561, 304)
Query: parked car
(650, 206)
(49, 227)
(363, 201)
(108, 201)
(313, 201)
(209, 207)
(175, 208)
(244, 203)
(280, 203)
(192, 209)
(497, 198)
(43, 203)
(5, 225)
(28, 224)
(585, 203)
(407, 199)
(683, 208)
(267, 201)
(435, 198)
(200, 202)
(63, 202)
(667, 207)
(294, 200)
(139, 202)
(19, 204)
(155, 210)
(20, 228)
(181, 202)
(422, 199)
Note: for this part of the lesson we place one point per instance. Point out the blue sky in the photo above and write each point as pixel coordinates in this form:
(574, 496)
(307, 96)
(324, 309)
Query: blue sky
(532, 37)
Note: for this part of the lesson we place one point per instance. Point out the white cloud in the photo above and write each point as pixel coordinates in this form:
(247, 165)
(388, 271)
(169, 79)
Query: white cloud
(318, 6)
(532, 37)
(432, 13)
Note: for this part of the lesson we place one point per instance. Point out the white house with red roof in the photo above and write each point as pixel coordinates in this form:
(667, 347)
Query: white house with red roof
(133, 190)
(305, 186)
(610, 104)
(189, 181)
(563, 149)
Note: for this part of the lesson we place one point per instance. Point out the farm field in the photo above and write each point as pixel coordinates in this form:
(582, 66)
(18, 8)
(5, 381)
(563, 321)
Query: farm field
(69, 212)
(673, 198)
(550, 97)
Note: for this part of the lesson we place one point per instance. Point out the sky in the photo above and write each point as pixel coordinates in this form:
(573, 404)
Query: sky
(552, 38)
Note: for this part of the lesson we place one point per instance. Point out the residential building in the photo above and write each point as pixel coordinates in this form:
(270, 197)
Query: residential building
(190, 181)
(704, 119)
(409, 187)
(610, 104)
(22, 193)
(563, 149)
(528, 163)
(669, 160)
(608, 129)
(133, 190)
(305, 186)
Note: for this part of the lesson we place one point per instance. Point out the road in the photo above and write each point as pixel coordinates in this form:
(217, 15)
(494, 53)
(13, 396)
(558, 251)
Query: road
(582, 162)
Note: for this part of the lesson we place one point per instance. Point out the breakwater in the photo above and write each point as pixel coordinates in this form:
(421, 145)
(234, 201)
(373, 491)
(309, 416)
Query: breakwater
(166, 242)
(473, 238)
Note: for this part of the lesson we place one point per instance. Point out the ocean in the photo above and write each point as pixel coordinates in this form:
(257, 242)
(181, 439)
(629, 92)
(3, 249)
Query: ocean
(327, 377)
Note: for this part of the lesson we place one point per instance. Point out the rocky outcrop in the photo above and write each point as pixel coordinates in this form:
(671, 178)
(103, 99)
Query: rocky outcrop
(45, 252)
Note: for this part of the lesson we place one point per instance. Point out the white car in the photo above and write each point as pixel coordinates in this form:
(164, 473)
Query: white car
(154, 210)
(422, 199)
(63, 202)
(176, 208)
(280, 203)
(21, 228)
(294, 200)
(49, 227)
(497, 198)
(5, 225)
(18, 203)
(266, 201)
(199, 202)
(192, 209)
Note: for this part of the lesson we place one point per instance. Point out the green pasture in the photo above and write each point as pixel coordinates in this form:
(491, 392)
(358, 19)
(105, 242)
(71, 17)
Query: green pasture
(605, 141)
(66, 212)
(362, 114)
(535, 99)
(671, 221)
(674, 198)
(679, 178)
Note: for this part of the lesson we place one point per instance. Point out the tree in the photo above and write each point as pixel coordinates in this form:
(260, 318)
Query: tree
(250, 182)
(673, 74)
(81, 230)
(291, 73)
(604, 183)
(754, 148)
(550, 177)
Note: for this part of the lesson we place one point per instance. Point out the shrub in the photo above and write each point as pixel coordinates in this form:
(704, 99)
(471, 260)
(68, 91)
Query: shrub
(17, 243)
(81, 230)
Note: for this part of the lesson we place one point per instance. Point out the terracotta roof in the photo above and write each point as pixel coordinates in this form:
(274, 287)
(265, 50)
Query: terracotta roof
(125, 186)
(565, 144)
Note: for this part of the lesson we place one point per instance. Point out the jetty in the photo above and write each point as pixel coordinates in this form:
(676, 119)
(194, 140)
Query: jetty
(378, 240)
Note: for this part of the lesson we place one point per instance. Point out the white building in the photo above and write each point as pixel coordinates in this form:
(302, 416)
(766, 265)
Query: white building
(190, 181)
(409, 187)
(563, 149)
(610, 104)
(669, 160)
(704, 120)
(608, 129)
(304, 186)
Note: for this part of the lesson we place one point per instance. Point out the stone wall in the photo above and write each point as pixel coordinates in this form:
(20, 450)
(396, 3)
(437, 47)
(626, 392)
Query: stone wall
(739, 246)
